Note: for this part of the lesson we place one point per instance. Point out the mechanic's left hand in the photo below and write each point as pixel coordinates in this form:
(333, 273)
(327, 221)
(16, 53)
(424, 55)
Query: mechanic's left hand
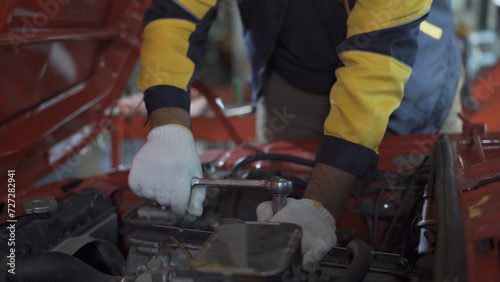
(318, 225)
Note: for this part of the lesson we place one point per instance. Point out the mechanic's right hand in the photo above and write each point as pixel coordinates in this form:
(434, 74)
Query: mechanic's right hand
(318, 226)
(163, 168)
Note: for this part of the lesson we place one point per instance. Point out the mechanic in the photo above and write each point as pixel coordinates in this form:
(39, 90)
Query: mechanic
(361, 54)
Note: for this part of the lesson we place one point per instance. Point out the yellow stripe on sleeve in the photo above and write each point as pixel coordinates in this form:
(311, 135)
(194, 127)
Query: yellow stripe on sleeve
(368, 89)
(164, 58)
(369, 15)
(197, 8)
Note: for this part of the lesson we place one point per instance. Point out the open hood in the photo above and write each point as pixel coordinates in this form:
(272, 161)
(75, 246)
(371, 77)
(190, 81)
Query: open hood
(64, 64)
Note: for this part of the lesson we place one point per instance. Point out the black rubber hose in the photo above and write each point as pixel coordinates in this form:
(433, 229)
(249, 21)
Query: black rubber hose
(450, 251)
(271, 157)
(429, 188)
(361, 259)
(55, 267)
(376, 214)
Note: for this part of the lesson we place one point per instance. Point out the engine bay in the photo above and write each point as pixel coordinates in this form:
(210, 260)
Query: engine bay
(96, 229)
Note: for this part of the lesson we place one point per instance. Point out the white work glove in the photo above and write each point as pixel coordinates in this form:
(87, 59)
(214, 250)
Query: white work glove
(318, 226)
(163, 168)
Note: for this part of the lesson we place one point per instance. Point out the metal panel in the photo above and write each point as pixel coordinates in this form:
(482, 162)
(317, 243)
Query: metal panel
(64, 63)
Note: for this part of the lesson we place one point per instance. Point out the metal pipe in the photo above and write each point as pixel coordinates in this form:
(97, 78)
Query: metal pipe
(479, 145)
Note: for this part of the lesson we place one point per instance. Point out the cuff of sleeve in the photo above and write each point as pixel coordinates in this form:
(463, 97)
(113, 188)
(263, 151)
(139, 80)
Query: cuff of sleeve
(169, 129)
(348, 156)
(162, 96)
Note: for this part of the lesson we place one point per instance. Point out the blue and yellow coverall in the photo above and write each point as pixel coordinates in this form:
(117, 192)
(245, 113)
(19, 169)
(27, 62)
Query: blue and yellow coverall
(374, 50)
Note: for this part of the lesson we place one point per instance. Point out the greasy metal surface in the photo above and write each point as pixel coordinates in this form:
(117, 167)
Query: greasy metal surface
(249, 249)
(64, 63)
(149, 241)
(385, 267)
(39, 205)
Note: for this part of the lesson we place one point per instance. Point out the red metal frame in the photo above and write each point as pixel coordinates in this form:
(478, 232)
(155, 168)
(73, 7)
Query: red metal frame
(477, 168)
(126, 128)
(219, 114)
(47, 98)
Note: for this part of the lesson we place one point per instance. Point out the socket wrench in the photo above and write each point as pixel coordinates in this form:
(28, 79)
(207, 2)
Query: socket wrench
(278, 187)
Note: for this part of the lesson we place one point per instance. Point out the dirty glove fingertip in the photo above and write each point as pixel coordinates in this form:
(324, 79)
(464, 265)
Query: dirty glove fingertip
(264, 211)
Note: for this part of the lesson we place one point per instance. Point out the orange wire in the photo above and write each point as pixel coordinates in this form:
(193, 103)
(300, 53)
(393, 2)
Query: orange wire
(347, 8)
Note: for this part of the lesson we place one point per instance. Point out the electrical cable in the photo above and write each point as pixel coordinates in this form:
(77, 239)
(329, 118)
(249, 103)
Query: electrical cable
(428, 191)
(407, 224)
(368, 189)
(389, 178)
(403, 200)
(376, 211)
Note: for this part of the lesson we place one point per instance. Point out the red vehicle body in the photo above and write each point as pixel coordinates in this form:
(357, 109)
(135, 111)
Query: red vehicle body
(66, 63)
